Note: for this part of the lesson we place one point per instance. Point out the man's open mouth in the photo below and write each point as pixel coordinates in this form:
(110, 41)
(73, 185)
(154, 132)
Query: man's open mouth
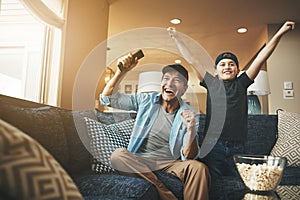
(169, 91)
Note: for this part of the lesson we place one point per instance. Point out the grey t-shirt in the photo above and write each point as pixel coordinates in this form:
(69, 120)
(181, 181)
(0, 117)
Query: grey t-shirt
(157, 143)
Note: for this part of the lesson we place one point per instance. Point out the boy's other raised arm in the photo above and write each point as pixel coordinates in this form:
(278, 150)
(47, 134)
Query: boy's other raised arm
(267, 51)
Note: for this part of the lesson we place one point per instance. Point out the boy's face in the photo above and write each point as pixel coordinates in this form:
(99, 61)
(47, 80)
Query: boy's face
(226, 69)
(173, 86)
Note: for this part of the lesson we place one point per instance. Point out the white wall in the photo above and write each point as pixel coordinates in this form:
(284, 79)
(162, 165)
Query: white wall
(284, 65)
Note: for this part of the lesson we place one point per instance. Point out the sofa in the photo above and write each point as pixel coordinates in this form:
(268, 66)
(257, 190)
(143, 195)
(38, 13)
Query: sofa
(64, 141)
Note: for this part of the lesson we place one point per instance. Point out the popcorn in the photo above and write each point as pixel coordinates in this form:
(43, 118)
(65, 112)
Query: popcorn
(260, 177)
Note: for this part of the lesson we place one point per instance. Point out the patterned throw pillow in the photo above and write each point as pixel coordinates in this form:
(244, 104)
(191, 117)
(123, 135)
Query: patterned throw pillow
(288, 142)
(28, 171)
(105, 139)
(288, 191)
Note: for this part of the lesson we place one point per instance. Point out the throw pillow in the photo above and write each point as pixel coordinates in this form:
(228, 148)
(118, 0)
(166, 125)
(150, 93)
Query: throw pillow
(288, 191)
(288, 142)
(105, 139)
(28, 171)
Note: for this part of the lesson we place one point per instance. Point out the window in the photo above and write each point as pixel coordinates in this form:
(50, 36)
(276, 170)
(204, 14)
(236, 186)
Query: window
(29, 55)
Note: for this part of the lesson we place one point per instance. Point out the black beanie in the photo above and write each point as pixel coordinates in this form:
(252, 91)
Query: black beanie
(228, 55)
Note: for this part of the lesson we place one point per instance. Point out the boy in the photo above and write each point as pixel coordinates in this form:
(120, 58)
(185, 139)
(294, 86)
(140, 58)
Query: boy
(227, 94)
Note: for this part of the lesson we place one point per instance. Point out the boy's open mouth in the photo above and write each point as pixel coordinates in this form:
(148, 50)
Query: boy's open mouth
(227, 72)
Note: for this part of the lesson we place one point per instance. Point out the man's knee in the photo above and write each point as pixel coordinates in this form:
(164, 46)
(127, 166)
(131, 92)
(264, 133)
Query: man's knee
(197, 165)
(117, 154)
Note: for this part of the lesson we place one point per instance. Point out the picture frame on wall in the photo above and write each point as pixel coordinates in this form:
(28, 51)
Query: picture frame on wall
(129, 87)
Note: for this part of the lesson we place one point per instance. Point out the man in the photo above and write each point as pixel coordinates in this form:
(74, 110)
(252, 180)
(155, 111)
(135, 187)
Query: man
(164, 136)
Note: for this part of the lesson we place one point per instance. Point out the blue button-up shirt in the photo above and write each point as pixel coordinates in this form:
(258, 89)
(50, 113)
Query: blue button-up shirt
(146, 106)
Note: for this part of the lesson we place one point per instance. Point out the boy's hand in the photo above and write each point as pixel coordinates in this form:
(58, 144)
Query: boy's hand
(287, 26)
(172, 32)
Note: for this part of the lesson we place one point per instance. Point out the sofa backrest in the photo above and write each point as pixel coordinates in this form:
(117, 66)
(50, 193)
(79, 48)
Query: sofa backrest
(41, 122)
(56, 129)
(63, 132)
(77, 139)
(262, 130)
(262, 133)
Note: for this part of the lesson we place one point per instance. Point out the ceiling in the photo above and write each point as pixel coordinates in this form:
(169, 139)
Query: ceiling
(211, 24)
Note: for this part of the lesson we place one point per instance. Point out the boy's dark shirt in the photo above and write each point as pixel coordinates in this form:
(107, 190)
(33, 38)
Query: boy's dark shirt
(235, 105)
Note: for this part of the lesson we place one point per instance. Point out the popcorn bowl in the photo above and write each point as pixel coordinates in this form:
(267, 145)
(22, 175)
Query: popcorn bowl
(270, 195)
(260, 173)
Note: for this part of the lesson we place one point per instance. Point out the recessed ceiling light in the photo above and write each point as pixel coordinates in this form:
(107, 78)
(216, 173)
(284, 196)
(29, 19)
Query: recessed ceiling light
(175, 21)
(242, 30)
(178, 61)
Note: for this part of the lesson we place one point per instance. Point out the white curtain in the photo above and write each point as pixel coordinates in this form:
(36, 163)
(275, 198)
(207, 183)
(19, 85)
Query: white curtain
(55, 5)
(52, 13)
(48, 11)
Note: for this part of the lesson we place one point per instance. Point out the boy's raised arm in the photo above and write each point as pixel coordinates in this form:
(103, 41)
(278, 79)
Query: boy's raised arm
(266, 52)
(188, 56)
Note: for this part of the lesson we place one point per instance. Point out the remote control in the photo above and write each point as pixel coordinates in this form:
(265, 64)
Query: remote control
(139, 54)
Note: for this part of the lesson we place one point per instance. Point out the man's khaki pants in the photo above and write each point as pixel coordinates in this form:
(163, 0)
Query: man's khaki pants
(193, 174)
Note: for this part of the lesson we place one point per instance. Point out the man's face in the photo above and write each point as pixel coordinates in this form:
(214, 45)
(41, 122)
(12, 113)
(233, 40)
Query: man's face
(227, 69)
(173, 86)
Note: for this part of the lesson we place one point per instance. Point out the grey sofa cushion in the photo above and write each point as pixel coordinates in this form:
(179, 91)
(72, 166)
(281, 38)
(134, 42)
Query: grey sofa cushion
(77, 138)
(221, 187)
(106, 197)
(262, 134)
(115, 186)
(172, 182)
(291, 176)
